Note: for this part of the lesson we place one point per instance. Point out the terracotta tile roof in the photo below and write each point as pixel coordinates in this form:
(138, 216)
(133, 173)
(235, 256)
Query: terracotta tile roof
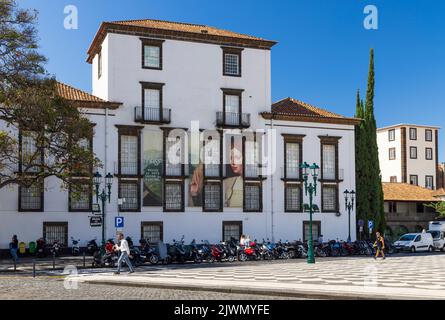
(83, 98)
(439, 192)
(406, 192)
(295, 110)
(176, 31)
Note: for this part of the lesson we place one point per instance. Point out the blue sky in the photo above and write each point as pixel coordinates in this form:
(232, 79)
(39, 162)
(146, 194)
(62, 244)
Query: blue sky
(321, 58)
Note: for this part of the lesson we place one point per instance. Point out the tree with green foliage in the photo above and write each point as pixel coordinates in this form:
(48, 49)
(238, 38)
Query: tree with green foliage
(35, 122)
(370, 205)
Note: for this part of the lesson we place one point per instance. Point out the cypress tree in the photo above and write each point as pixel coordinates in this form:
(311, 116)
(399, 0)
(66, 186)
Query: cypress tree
(371, 170)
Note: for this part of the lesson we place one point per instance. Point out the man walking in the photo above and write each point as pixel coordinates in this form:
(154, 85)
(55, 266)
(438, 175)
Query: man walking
(13, 248)
(124, 253)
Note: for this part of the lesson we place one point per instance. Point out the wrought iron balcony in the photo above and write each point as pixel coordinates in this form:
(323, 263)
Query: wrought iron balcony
(233, 119)
(152, 115)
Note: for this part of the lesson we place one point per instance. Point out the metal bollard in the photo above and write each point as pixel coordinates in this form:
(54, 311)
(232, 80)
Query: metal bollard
(54, 261)
(33, 268)
(84, 262)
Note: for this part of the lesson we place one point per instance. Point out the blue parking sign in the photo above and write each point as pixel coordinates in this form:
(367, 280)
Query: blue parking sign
(370, 224)
(119, 222)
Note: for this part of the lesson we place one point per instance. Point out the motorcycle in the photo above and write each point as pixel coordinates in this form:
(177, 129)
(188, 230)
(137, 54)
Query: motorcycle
(248, 252)
(75, 247)
(92, 246)
(108, 259)
(40, 248)
(148, 253)
(56, 248)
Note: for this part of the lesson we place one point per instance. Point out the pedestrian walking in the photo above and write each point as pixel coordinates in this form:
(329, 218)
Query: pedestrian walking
(13, 248)
(379, 244)
(320, 239)
(242, 240)
(124, 253)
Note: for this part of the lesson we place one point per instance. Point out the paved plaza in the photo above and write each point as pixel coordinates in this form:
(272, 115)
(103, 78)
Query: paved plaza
(418, 276)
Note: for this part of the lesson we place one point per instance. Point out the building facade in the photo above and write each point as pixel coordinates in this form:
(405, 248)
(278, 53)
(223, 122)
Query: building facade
(409, 154)
(195, 145)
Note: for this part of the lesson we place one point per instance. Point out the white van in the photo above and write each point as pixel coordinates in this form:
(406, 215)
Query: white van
(437, 230)
(414, 242)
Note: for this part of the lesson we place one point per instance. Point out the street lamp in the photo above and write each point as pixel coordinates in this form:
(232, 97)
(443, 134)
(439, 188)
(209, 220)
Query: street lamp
(310, 188)
(349, 204)
(103, 196)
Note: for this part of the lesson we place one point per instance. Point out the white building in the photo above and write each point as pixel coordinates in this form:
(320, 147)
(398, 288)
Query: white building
(409, 154)
(188, 99)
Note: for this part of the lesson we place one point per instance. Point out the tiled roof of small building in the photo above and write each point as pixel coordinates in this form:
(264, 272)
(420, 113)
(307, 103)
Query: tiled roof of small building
(81, 97)
(407, 192)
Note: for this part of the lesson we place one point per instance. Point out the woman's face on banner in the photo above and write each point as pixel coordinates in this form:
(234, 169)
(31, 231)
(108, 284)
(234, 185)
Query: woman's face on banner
(236, 161)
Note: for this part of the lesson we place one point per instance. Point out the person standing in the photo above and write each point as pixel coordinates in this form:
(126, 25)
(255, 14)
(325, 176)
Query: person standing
(242, 240)
(380, 245)
(124, 253)
(13, 248)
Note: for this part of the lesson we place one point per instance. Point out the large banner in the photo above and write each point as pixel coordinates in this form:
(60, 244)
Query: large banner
(196, 169)
(152, 168)
(233, 182)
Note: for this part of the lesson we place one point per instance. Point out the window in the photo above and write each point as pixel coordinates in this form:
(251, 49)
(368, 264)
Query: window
(293, 197)
(174, 156)
(129, 193)
(413, 152)
(414, 179)
(129, 155)
(232, 109)
(329, 167)
(55, 231)
(232, 229)
(428, 135)
(252, 197)
(152, 106)
(232, 62)
(392, 135)
(99, 64)
(153, 232)
(174, 196)
(412, 133)
(293, 159)
(429, 153)
(329, 198)
(80, 197)
(212, 196)
(392, 153)
(31, 198)
(252, 157)
(152, 54)
(429, 182)
(392, 206)
(212, 155)
(86, 169)
(316, 230)
(393, 179)
(31, 158)
(420, 207)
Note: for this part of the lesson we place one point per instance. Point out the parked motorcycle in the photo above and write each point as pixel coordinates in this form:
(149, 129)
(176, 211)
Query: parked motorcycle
(75, 246)
(56, 248)
(92, 246)
(40, 248)
(148, 253)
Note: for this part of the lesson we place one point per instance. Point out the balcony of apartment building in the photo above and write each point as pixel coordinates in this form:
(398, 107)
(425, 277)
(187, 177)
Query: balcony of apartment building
(147, 115)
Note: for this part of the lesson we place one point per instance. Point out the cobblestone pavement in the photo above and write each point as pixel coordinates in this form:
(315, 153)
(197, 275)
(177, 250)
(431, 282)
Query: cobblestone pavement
(51, 288)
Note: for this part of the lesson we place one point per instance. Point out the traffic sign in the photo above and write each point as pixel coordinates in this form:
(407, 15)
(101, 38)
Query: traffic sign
(119, 222)
(361, 223)
(370, 224)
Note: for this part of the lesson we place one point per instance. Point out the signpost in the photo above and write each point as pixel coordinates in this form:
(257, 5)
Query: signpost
(361, 223)
(119, 223)
(95, 221)
(370, 227)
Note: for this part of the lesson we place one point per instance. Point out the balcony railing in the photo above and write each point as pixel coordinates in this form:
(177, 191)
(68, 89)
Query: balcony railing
(152, 115)
(233, 119)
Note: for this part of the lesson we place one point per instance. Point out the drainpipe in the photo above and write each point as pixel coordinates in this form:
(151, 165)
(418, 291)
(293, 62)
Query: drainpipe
(105, 156)
(272, 185)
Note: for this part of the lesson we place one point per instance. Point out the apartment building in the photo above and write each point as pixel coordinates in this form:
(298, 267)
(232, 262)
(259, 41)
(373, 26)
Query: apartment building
(185, 123)
(409, 154)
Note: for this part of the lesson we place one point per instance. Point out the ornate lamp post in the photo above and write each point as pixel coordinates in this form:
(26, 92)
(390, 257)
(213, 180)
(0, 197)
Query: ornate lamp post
(310, 188)
(349, 204)
(103, 196)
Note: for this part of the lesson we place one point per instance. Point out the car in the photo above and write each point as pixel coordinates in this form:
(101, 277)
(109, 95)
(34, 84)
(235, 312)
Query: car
(437, 230)
(414, 242)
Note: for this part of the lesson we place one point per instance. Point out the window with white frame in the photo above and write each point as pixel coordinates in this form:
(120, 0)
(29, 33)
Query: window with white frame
(173, 199)
(31, 198)
(129, 193)
(392, 153)
(293, 198)
(55, 231)
(428, 153)
(152, 54)
(413, 133)
(329, 161)
(329, 198)
(232, 63)
(212, 157)
(212, 196)
(152, 231)
(174, 159)
(29, 152)
(392, 135)
(252, 200)
(414, 179)
(292, 160)
(316, 230)
(129, 154)
(252, 161)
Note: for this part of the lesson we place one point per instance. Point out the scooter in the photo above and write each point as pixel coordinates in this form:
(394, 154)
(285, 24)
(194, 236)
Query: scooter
(75, 247)
(56, 248)
(92, 246)
(40, 248)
